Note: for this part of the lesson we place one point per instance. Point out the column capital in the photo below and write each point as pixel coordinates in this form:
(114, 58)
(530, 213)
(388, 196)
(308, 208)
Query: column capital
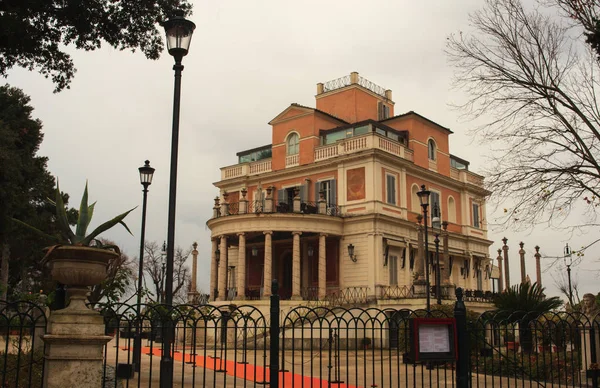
(241, 234)
(223, 237)
(268, 232)
(323, 235)
(296, 233)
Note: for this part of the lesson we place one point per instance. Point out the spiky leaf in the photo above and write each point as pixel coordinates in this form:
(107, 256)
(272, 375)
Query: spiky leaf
(84, 218)
(61, 216)
(106, 226)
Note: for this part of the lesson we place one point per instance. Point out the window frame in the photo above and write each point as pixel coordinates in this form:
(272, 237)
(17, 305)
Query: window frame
(476, 215)
(431, 149)
(389, 175)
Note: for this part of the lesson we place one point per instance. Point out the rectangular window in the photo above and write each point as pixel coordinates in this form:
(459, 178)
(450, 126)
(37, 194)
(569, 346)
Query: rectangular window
(393, 265)
(390, 189)
(361, 130)
(476, 222)
(434, 199)
(383, 111)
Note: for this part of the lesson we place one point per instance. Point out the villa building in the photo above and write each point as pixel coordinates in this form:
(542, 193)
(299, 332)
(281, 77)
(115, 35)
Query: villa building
(331, 209)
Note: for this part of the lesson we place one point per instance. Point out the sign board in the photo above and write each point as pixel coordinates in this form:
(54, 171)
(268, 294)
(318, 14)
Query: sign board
(432, 339)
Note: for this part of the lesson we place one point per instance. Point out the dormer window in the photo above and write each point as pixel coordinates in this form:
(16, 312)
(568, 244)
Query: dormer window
(293, 144)
(431, 149)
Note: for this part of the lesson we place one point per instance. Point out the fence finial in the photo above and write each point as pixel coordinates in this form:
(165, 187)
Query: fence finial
(459, 294)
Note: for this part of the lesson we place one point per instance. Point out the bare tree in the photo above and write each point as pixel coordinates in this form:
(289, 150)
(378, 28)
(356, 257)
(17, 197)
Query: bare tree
(118, 281)
(562, 283)
(532, 80)
(155, 270)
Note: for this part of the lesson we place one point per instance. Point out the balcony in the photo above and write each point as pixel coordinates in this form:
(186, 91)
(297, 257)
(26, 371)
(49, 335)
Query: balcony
(368, 141)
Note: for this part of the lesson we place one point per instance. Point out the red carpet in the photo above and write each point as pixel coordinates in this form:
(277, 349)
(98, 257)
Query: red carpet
(246, 371)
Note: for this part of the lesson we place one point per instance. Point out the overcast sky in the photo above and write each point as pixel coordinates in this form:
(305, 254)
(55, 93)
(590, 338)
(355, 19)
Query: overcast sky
(248, 61)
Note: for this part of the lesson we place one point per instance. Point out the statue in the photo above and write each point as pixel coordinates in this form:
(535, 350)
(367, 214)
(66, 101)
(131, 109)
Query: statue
(589, 306)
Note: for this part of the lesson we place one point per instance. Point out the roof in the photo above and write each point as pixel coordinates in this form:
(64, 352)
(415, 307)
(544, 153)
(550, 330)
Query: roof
(418, 115)
(320, 111)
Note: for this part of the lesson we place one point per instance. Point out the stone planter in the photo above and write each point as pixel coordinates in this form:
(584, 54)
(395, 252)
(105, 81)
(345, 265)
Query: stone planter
(79, 268)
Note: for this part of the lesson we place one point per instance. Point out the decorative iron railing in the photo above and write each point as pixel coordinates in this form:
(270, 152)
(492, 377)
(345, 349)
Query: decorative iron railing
(337, 83)
(394, 292)
(479, 296)
(365, 83)
(344, 81)
(22, 325)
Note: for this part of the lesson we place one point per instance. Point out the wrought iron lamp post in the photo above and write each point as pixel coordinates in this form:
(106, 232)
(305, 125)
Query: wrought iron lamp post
(436, 225)
(179, 35)
(568, 263)
(146, 174)
(424, 199)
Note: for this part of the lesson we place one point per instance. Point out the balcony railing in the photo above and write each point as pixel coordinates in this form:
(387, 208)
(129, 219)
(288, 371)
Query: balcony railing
(303, 207)
(371, 140)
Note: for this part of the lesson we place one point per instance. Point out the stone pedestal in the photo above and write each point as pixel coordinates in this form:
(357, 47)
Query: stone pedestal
(74, 347)
(420, 288)
(448, 291)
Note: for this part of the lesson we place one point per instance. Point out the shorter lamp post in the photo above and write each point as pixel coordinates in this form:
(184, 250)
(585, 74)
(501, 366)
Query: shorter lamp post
(436, 225)
(424, 199)
(568, 263)
(146, 174)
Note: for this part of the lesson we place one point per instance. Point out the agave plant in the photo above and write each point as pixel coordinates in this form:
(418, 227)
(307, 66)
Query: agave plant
(80, 236)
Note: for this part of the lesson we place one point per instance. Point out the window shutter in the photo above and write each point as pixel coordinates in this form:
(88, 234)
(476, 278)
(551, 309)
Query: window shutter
(333, 188)
(281, 196)
(303, 192)
(317, 189)
(379, 110)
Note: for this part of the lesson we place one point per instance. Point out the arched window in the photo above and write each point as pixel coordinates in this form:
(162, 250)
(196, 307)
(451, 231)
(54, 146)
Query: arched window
(414, 199)
(431, 149)
(451, 210)
(292, 144)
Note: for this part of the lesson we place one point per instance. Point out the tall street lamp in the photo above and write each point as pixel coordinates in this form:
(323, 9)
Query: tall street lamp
(179, 35)
(436, 225)
(163, 255)
(146, 174)
(424, 199)
(568, 263)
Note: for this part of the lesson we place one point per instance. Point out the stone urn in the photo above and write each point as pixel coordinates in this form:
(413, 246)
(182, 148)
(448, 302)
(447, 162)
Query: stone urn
(79, 267)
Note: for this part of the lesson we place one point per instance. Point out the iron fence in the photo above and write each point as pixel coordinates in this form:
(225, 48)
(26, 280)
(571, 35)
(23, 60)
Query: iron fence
(22, 324)
(315, 346)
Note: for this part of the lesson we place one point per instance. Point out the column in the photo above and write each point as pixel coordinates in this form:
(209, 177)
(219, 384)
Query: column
(296, 266)
(214, 269)
(506, 266)
(322, 266)
(538, 268)
(268, 267)
(223, 270)
(241, 275)
(522, 254)
(446, 248)
(500, 275)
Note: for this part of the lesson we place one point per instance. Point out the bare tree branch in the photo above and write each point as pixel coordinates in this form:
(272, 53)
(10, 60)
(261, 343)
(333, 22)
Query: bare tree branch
(532, 79)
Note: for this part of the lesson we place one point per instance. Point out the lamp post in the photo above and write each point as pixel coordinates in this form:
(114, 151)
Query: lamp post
(179, 35)
(146, 174)
(424, 199)
(436, 225)
(568, 263)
